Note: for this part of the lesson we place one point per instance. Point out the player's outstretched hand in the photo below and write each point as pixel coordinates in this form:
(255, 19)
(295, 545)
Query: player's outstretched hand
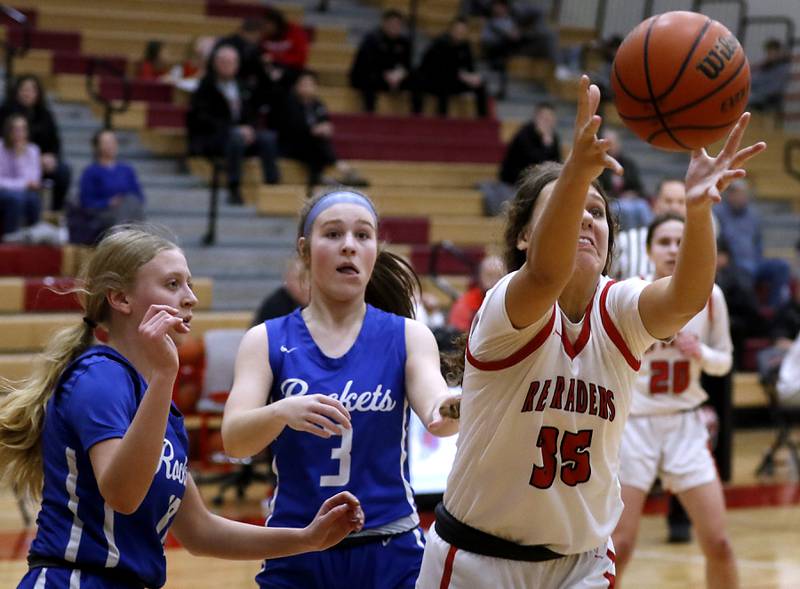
(708, 176)
(154, 330)
(316, 414)
(589, 154)
(339, 516)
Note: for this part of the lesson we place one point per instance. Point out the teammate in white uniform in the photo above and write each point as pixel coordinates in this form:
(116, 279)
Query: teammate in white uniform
(665, 435)
(533, 495)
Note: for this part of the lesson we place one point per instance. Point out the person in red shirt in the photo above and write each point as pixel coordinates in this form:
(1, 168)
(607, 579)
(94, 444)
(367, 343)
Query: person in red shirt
(284, 48)
(154, 65)
(463, 310)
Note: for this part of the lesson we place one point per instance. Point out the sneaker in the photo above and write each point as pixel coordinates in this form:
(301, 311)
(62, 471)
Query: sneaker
(680, 533)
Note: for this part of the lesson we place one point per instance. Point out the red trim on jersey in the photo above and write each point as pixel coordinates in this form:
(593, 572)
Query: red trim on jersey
(517, 356)
(614, 333)
(611, 555)
(571, 349)
(612, 580)
(448, 568)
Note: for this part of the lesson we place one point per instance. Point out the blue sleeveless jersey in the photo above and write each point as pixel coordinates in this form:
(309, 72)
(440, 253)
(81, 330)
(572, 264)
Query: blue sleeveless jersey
(371, 460)
(95, 400)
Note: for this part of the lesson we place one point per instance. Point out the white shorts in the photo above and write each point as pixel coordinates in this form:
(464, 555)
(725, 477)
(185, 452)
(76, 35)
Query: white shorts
(673, 447)
(446, 567)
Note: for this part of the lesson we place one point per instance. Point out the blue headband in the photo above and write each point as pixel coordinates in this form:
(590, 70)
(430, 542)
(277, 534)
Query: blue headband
(336, 198)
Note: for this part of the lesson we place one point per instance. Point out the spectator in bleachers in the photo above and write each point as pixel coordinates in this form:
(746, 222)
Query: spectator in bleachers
(383, 60)
(305, 132)
(628, 203)
(786, 322)
(631, 259)
(247, 43)
(448, 68)
(20, 176)
(293, 293)
(222, 121)
(491, 270)
(535, 142)
(771, 76)
(500, 39)
(740, 225)
(28, 99)
(741, 299)
(154, 65)
(284, 47)
(186, 75)
(788, 385)
(109, 193)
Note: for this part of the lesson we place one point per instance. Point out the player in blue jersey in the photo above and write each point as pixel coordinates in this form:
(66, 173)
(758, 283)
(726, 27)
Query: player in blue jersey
(329, 389)
(88, 431)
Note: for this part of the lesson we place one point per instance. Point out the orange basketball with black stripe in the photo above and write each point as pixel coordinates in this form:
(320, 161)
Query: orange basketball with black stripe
(681, 80)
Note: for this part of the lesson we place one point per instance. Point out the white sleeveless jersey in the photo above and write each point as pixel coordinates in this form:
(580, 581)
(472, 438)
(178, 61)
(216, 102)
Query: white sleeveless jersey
(670, 382)
(542, 414)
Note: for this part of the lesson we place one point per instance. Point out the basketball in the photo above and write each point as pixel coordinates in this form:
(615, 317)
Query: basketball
(681, 80)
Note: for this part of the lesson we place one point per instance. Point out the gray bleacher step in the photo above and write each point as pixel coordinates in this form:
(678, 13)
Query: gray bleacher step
(237, 262)
(245, 294)
(257, 232)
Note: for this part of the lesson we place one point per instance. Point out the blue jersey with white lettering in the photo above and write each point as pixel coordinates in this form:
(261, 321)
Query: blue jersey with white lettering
(96, 400)
(371, 459)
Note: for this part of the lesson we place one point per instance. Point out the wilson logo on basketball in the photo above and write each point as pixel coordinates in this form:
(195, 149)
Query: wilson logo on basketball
(712, 65)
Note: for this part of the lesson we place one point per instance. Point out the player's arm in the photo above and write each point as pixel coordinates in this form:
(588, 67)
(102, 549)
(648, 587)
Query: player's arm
(206, 534)
(669, 303)
(249, 424)
(717, 354)
(552, 236)
(426, 389)
(124, 467)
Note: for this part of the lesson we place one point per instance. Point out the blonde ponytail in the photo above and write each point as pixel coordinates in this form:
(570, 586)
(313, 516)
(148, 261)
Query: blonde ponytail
(22, 411)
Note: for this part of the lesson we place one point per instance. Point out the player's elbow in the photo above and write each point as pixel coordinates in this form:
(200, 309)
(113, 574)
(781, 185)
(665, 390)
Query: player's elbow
(234, 444)
(120, 502)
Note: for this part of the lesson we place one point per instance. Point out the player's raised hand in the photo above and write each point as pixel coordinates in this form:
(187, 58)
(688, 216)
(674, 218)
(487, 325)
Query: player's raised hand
(316, 414)
(708, 176)
(339, 516)
(153, 333)
(589, 154)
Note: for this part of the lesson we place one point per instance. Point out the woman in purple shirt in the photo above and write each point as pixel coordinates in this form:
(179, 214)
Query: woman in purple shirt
(20, 176)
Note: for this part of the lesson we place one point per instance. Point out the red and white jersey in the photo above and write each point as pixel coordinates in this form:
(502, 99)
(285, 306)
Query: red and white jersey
(542, 414)
(669, 381)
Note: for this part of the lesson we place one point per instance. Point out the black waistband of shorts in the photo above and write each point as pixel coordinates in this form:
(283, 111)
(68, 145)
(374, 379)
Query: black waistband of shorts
(36, 561)
(467, 538)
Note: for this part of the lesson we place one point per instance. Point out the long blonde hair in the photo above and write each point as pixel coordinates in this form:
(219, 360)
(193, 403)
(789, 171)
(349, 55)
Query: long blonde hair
(113, 266)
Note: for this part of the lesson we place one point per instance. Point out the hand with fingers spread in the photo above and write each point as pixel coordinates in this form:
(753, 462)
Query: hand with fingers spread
(159, 349)
(708, 176)
(339, 516)
(316, 414)
(589, 155)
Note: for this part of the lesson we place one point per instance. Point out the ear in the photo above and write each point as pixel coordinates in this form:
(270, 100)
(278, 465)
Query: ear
(524, 239)
(118, 301)
(303, 251)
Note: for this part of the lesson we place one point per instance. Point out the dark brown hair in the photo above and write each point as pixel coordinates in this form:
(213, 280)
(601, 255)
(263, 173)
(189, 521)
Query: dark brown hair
(518, 215)
(393, 282)
(657, 222)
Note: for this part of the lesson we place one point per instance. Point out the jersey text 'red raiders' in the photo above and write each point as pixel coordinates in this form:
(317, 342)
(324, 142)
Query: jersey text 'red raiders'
(371, 459)
(96, 400)
(542, 414)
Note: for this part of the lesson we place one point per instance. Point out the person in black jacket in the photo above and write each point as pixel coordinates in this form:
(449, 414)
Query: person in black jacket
(383, 60)
(448, 68)
(305, 132)
(27, 99)
(286, 298)
(222, 121)
(251, 71)
(534, 143)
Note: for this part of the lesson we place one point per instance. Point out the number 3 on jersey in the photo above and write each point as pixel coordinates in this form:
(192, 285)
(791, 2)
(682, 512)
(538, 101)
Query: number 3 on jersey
(342, 454)
(576, 464)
